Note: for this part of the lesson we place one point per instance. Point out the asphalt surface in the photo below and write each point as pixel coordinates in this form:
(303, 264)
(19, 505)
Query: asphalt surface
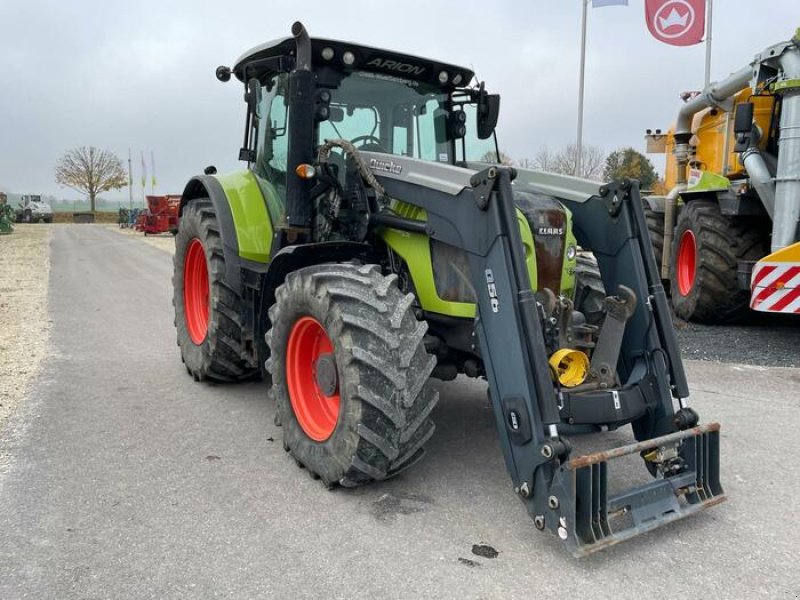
(122, 478)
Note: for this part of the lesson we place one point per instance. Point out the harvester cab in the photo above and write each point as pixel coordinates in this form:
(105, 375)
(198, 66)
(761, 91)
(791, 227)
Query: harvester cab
(375, 242)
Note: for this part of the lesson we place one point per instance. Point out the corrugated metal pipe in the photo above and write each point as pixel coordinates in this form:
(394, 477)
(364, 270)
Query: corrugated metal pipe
(787, 179)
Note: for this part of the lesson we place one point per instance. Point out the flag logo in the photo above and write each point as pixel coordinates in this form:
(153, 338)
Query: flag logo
(676, 22)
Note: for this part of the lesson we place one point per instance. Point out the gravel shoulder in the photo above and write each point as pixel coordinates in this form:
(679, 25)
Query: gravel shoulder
(24, 321)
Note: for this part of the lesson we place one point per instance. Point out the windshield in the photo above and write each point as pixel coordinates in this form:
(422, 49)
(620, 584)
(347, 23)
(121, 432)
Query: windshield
(406, 118)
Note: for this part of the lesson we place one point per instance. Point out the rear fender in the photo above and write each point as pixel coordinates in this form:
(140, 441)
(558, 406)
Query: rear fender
(245, 222)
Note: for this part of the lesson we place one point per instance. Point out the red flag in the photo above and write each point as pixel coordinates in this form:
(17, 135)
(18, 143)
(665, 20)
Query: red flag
(676, 22)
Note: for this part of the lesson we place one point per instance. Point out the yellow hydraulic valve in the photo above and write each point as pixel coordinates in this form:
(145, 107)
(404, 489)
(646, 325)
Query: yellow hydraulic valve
(570, 366)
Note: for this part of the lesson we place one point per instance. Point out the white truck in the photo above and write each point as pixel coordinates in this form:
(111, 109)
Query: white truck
(32, 209)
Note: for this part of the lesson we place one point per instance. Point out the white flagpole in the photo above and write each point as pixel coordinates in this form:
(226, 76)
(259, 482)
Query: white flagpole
(130, 182)
(153, 173)
(708, 40)
(579, 145)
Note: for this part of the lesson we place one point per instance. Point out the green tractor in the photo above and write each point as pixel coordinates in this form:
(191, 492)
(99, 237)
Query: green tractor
(7, 215)
(373, 243)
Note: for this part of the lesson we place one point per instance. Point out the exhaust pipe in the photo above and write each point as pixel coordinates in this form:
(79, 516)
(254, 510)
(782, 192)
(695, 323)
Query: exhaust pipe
(303, 43)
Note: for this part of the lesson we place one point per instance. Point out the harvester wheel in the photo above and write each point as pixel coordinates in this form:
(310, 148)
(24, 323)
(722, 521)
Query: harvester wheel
(655, 226)
(705, 254)
(590, 293)
(350, 373)
(208, 314)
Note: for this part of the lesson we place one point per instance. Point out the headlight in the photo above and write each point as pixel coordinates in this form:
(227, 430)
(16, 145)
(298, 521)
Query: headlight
(572, 252)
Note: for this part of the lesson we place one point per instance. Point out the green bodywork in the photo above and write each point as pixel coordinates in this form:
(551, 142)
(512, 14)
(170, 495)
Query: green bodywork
(709, 182)
(255, 206)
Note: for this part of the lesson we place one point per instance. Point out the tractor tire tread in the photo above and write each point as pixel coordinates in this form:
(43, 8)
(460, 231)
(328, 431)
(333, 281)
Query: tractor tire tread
(383, 365)
(222, 355)
(722, 242)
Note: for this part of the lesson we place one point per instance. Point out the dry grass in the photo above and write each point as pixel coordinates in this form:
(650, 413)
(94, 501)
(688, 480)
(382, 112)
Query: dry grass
(99, 217)
(24, 323)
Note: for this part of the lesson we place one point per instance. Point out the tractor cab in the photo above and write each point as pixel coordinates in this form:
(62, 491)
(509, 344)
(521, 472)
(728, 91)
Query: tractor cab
(378, 100)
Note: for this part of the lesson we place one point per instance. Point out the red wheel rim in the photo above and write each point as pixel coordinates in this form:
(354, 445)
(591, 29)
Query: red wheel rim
(316, 409)
(686, 263)
(195, 291)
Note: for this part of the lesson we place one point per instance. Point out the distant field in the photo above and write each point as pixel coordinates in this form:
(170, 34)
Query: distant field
(100, 216)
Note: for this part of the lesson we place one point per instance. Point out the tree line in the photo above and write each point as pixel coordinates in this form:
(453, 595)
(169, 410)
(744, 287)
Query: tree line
(92, 171)
(595, 164)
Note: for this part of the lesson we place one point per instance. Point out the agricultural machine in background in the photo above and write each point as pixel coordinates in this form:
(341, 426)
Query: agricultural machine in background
(367, 248)
(7, 215)
(727, 235)
(32, 209)
(160, 216)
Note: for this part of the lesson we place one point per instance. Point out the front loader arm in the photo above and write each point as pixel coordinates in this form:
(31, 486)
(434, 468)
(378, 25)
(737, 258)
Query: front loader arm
(567, 496)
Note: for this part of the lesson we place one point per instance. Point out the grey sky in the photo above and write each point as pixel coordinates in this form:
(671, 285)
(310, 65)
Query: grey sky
(140, 75)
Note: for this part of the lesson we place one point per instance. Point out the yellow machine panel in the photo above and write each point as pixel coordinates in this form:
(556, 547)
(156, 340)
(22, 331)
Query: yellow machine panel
(714, 140)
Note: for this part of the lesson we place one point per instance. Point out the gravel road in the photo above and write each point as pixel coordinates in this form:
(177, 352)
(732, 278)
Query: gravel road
(125, 479)
(24, 322)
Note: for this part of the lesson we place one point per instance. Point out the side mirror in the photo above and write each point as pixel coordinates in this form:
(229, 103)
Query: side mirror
(488, 113)
(743, 126)
(743, 118)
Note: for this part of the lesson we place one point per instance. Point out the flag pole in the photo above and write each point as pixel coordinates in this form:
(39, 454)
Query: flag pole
(130, 182)
(579, 144)
(152, 173)
(708, 41)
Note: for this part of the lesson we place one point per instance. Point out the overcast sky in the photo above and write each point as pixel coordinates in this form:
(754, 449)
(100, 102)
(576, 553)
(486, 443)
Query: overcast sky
(140, 75)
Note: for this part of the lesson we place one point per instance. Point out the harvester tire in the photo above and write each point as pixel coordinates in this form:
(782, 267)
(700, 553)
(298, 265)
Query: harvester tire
(703, 268)
(590, 293)
(350, 374)
(655, 227)
(208, 315)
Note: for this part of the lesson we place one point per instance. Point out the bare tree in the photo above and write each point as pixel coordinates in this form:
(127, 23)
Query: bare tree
(91, 171)
(565, 161)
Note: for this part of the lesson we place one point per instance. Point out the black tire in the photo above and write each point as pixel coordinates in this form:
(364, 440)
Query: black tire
(48, 218)
(590, 293)
(713, 294)
(220, 355)
(383, 372)
(27, 217)
(655, 227)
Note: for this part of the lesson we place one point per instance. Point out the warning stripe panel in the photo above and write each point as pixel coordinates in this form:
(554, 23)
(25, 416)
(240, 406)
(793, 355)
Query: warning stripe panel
(776, 288)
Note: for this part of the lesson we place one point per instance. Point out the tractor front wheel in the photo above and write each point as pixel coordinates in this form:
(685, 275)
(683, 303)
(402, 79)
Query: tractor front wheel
(208, 313)
(705, 255)
(350, 373)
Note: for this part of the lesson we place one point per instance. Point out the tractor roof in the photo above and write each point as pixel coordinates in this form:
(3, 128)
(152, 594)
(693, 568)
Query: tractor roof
(330, 53)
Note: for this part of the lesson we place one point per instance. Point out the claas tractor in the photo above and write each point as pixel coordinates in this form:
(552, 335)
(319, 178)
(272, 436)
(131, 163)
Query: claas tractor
(374, 243)
(728, 232)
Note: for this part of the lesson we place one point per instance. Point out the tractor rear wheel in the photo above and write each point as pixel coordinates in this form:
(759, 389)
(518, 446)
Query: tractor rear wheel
(655, 227)
(208, 314)
(705, 255)
(350, 373)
